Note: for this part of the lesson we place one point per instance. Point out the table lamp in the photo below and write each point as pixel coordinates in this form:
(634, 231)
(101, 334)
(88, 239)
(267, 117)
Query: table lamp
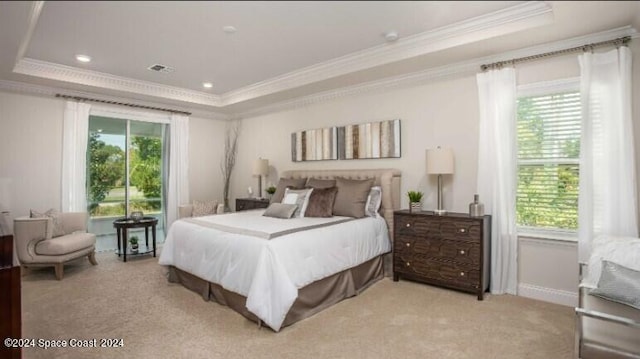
(260, 168)
(440, 162)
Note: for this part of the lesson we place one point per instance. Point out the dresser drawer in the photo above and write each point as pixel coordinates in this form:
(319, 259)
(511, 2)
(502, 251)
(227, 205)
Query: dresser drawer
(453, 274)
(463, 252)
(415, 226)
(461, 230)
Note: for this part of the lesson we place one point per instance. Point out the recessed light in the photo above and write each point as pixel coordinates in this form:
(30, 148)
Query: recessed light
(229, 29)
(391, 36)
(207, 85)
(83, 58)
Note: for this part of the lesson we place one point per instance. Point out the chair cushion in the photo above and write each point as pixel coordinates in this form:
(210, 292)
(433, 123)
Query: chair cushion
(65, 244)
(204, 208)
(619, 284)
(56, 219)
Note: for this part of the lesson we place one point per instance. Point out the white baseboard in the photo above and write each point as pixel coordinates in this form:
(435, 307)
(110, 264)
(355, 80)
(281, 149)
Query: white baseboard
(556, 296)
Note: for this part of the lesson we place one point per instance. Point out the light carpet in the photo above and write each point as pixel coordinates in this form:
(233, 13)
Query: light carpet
(156, 319)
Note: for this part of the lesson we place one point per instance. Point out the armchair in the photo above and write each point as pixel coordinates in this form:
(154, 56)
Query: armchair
(37, 247)
(606, 328)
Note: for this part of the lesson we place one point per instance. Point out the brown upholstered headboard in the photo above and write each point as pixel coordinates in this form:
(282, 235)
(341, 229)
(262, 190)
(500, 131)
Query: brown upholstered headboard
(387, 179)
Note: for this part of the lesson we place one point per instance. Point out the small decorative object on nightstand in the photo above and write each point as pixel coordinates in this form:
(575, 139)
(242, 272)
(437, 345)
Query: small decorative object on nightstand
(137, 215)
(476, 209)
(449, 250)
(270, 191)
(244, 204)
(134, 244)
(415, 201)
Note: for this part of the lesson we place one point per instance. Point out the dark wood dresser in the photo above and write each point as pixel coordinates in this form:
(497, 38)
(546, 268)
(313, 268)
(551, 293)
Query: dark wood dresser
(243, 204)
(10, 299)
(451, 250)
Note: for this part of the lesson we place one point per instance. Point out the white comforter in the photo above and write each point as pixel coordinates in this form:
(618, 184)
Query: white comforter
(269, 271)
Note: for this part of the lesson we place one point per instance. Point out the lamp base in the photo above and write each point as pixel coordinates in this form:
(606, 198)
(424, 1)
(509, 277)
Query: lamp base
(440, 212)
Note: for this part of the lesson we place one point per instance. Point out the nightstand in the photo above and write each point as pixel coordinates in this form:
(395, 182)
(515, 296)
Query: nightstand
(450, 250)
(243, 204)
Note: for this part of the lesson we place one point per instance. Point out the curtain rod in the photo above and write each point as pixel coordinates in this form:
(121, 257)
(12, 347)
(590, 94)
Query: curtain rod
(78, 98)
(621, 41)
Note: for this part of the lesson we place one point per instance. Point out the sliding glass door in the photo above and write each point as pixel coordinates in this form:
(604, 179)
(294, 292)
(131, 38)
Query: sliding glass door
(125, 173)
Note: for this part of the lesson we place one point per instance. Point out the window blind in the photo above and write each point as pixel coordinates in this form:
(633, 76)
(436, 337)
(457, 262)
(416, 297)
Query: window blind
(548, 130)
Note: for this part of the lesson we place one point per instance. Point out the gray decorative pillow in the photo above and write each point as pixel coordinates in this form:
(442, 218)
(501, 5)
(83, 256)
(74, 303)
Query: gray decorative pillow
(619, 284)
(280, 210)
(299, 197)
(321, 202)
(320, 183)
(204, 208)
(56, 219)
(283, 183)
(351, 197)
(374, 200)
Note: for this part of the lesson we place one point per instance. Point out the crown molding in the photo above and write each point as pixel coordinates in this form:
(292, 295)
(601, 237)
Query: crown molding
(527, 15)
(34, 15)
(75, 75)
(422, 77)
(515, 18)
(47, 91)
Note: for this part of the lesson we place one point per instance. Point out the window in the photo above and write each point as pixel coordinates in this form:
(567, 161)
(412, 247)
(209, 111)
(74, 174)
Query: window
(548, 130)
(124, 173)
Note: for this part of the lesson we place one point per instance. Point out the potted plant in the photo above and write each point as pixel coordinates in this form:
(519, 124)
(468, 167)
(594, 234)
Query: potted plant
(270, 191)
(415, 199)
(134, 244)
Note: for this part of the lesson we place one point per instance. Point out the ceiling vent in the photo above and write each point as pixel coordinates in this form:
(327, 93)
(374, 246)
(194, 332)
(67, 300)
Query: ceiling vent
(161, 68)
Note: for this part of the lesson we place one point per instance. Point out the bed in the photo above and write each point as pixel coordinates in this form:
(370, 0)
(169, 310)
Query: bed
(274, 275)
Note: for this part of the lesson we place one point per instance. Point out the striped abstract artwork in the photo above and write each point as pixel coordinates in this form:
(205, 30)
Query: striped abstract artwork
(314, 145)
(369, 140)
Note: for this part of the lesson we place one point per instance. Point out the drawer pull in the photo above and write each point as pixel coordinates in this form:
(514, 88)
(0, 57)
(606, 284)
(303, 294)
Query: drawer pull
(408, 224)
(462, 251)
(408, 264)
(408, 244)
(462, 274)
(462, 230)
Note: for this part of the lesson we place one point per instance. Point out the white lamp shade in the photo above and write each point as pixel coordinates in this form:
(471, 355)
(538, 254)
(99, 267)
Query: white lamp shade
(261, 167)
(440, 161)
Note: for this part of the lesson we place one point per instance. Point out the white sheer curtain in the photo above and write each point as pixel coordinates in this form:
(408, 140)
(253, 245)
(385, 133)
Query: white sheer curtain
(607, 202)
(497, 161)
(74, 157)
(178, 173)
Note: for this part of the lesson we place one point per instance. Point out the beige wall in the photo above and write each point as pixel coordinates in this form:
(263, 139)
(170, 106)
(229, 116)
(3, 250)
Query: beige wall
(31, 154)
(442, 112)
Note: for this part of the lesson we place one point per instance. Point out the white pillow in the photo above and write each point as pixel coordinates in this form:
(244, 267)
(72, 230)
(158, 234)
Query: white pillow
(299, 197)
(374, 200)
(624, 251)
